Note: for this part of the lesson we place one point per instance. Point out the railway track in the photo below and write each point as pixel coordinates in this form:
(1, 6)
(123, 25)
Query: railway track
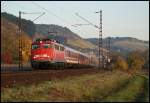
(9, 79)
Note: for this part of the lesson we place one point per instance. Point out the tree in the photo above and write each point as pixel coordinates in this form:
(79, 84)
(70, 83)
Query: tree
(145, 55)
(135, 61)
(120, 64)
(6, 58)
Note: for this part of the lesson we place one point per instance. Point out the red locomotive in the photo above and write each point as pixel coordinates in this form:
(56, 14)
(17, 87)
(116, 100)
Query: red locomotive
(49, 53)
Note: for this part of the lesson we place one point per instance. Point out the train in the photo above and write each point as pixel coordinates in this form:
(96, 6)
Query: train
(47, 53)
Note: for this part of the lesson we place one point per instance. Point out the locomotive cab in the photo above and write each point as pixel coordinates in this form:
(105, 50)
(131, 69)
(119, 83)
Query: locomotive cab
(46, 53)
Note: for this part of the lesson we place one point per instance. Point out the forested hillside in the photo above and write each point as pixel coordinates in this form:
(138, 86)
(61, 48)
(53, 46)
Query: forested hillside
(9, 43)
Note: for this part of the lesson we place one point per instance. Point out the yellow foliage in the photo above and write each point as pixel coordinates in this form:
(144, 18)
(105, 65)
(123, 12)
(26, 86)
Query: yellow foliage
(121, 64)
(26, 48)
(10, 41)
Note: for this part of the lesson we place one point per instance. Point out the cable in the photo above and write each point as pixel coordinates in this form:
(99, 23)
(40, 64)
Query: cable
(51, 13)
(54, 15)
(63, 20)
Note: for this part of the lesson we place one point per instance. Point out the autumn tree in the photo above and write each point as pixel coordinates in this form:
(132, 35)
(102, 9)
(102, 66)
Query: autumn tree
(120, 63)
(6, 58)
(135, 61)
(10, 43)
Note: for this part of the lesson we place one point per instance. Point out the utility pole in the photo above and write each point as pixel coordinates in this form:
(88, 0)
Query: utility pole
(20, 36)
(100, 52)
(109, 49)
(20, 42)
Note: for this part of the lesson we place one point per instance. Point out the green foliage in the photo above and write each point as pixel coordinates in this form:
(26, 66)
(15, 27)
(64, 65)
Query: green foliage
(135, 61)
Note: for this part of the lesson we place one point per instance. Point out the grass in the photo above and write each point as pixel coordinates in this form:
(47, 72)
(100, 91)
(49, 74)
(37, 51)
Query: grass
(92, 87)
(136, 90)
(144, 95)
(115, 86)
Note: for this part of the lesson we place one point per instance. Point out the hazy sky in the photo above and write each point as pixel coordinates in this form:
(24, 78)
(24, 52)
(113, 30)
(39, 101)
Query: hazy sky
(120, 18)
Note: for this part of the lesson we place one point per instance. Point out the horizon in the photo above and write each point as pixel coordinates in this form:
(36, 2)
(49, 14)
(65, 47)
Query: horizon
(130, 19)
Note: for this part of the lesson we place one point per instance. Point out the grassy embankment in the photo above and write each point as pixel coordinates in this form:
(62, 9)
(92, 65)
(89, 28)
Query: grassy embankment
(94, 87)
(137, 89)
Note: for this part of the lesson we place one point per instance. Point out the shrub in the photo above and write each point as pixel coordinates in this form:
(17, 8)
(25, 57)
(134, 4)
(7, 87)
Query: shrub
(120, 64)
(135, 61)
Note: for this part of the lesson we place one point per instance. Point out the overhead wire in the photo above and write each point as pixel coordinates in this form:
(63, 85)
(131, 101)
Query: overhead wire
(51, 13)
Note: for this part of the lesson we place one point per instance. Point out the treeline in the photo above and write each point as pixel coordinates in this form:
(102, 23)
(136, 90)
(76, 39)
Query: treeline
(132, 62)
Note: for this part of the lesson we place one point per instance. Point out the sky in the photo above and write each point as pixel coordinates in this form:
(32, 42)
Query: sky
(119, 18)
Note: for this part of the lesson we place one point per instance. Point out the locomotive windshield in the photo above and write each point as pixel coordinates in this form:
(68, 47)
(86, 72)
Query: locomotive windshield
(47, 45)
(35, 46)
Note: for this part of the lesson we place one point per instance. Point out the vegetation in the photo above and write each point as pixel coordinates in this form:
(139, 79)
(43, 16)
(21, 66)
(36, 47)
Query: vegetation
(145, 55)
(9, 43)
(123, 45)
(120, 64)
(27, 25)
(133, 91)
(135, 61)
(92, 87)
(86, 88)
(64, 35)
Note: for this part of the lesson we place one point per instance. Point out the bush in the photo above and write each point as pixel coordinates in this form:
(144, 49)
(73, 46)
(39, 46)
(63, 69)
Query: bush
(120, 64)
(135, 61)
(6, 58)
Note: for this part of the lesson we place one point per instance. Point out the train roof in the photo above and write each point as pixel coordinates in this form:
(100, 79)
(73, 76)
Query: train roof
(54, 41)
(42, 41)
(75, 51)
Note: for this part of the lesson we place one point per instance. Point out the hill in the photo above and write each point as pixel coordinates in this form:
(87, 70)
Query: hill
(9, 43)
(27, 25)
(63, 35)
(123, 44)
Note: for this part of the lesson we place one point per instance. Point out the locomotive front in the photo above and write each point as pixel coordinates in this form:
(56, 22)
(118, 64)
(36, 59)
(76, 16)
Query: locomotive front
(41, 53)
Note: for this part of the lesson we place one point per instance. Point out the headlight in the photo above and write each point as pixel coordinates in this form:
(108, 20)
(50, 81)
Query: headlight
(35, 56)
(44, 55)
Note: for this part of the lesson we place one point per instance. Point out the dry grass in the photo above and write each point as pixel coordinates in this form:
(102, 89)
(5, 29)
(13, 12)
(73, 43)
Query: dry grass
(135, 90)
(92, 87)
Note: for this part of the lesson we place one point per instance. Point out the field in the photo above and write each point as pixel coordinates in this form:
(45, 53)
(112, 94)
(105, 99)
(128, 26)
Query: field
(107, 86)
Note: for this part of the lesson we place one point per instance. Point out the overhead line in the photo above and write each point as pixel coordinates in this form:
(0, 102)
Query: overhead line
(69, 24)
(51, 13)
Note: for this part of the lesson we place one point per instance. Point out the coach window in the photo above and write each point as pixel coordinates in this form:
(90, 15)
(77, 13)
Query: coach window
(51, 46)
(61, 48)
(69, 53)
(56, 47)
